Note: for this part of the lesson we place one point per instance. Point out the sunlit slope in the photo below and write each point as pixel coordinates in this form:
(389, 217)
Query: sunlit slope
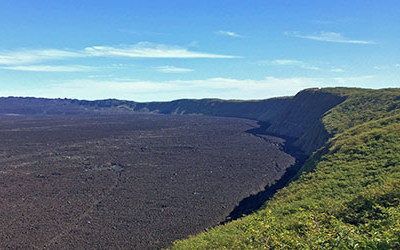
(349, 197)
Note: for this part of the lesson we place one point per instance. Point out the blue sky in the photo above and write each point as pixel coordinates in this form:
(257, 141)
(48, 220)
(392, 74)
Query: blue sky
(164, 50)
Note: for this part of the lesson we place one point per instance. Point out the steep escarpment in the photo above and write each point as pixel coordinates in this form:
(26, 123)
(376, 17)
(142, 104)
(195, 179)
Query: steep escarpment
(302, 118)
(297, 118)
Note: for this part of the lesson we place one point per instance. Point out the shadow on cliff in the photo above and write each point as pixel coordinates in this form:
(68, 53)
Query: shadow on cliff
(254, 202)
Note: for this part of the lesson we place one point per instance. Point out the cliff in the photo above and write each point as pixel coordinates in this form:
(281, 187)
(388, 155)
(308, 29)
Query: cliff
(297, 118)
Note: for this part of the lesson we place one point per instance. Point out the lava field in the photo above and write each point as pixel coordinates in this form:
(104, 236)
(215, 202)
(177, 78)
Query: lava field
(126, 181)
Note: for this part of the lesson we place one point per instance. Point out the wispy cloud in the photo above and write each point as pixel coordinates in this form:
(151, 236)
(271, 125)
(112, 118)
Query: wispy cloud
(302, 65)
(139, 50)
(356, 81)
(379, 67)
(228, 33)
(387, 66)
(292, 63)
(286, 62)
(24, 56)
(50, 68)
(324, 36)
(172, 69)
(140, 33)
(149, 50)
(337, 70)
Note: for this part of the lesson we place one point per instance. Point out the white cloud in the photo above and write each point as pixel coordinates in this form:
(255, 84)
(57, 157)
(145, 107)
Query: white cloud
(221, 87)
(387, 67)
(140, 33)
(324, 36)
(228, 33)
(148, 50)
(139, 50)
(291, 62)
(299, 64)
(131, 89)
(21, 57)
(49, 68)
(356, 81)
(286, 62)
(172, 69)
(310, 67)
(337, 70)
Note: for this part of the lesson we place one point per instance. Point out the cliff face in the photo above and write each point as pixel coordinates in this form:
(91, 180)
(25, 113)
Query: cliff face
(301, 119)
(242, 109)
(297, 118)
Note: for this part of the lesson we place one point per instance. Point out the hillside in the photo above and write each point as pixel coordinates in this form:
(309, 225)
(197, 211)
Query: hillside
(348, 195)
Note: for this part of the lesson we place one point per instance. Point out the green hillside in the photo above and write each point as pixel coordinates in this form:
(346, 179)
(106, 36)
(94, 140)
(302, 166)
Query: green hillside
(348, 195)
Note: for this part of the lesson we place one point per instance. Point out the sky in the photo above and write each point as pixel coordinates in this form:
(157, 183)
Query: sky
(164, 50)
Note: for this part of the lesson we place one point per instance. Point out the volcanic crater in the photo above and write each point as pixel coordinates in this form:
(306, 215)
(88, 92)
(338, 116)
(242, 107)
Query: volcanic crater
(127, 180)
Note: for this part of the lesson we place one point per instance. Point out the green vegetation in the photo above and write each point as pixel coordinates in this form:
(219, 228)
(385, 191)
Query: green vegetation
(349, 197)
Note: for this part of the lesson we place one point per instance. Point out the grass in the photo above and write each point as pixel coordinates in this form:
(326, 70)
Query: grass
(349, 197)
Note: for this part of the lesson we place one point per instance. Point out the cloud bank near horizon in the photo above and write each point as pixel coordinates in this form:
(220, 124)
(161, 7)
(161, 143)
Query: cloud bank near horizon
(219, 87)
